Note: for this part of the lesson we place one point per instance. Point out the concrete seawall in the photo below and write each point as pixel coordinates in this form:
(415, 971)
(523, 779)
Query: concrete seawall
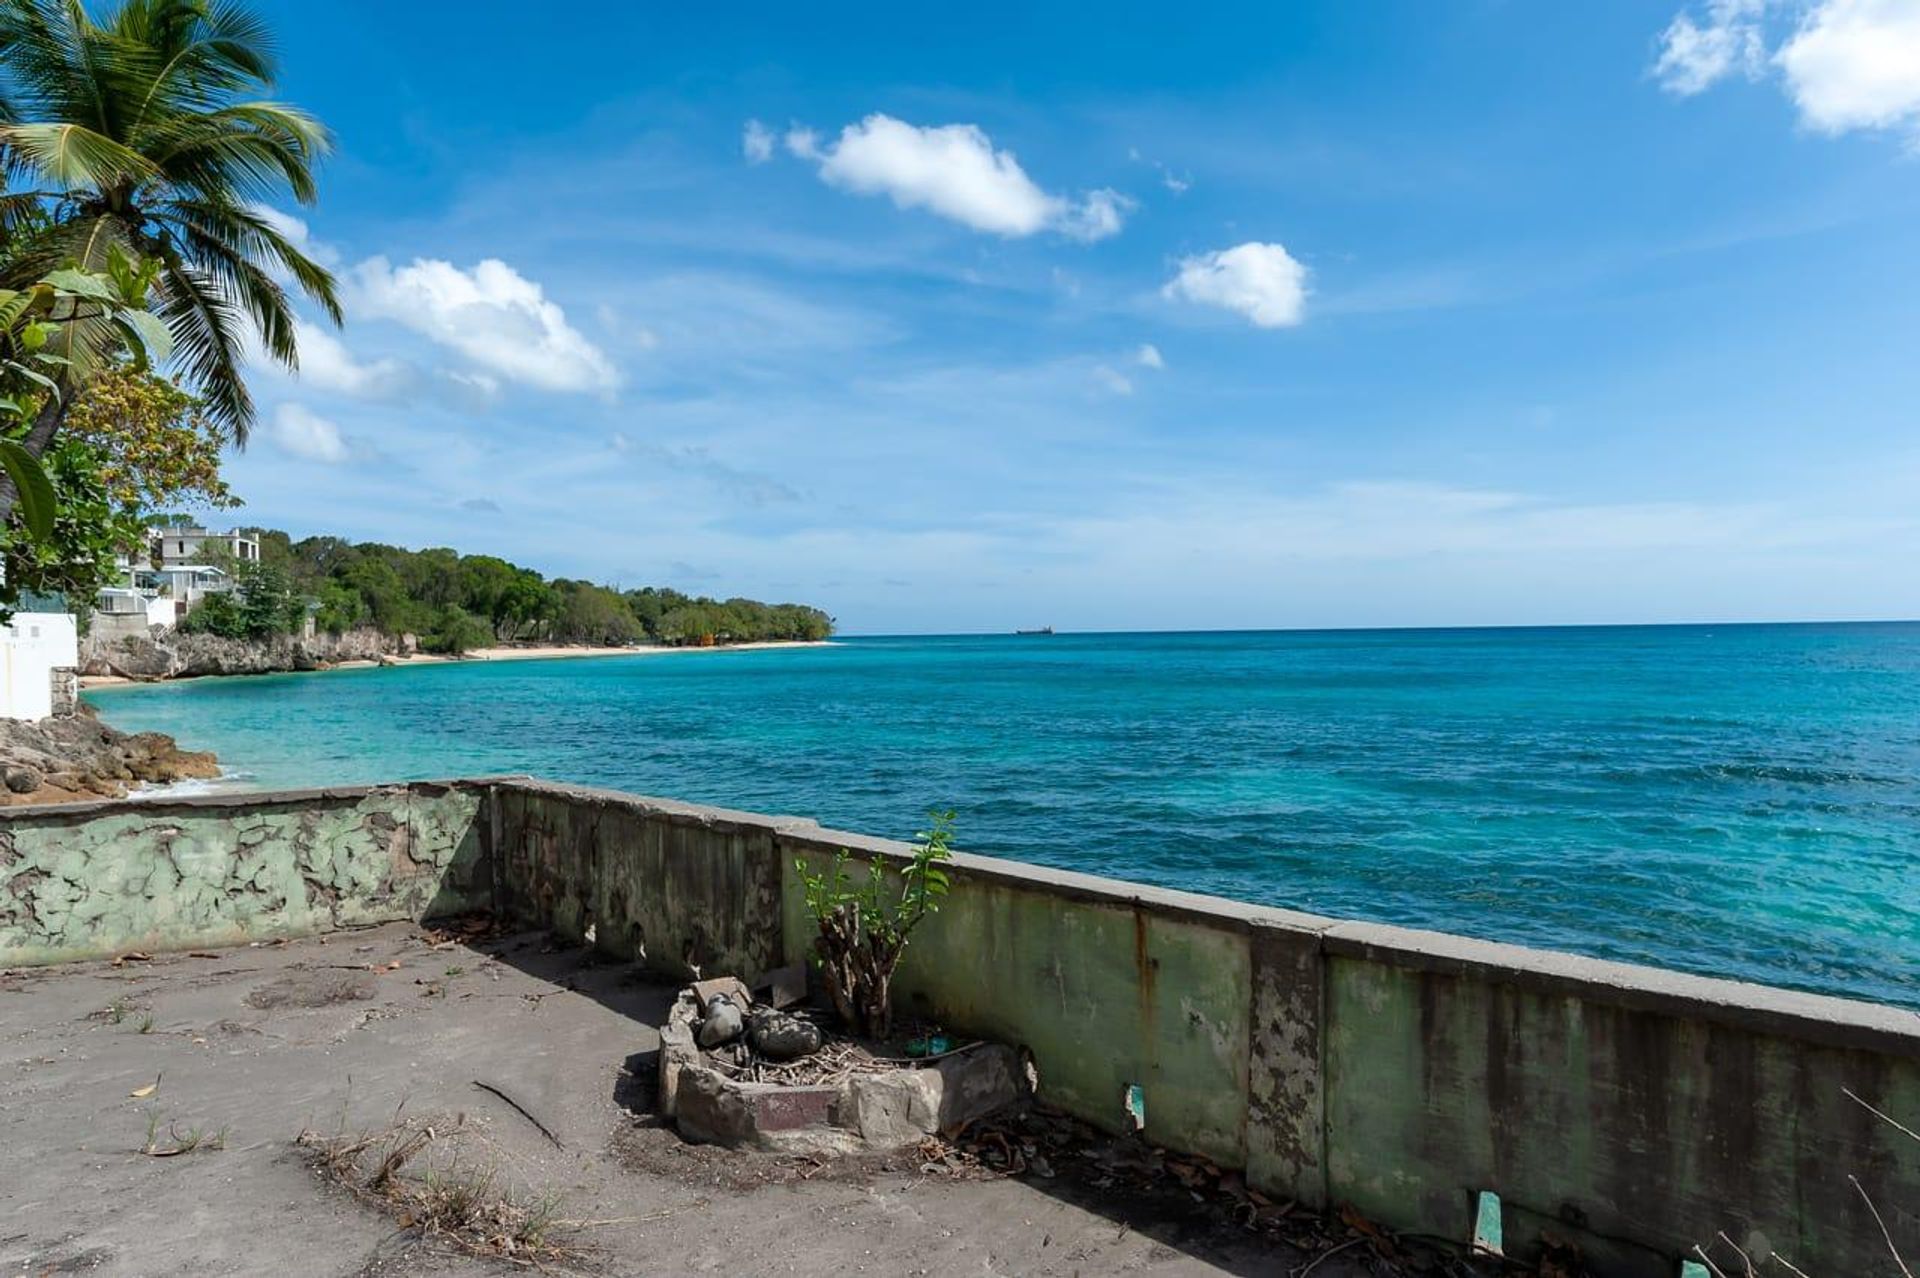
(1632, 1110)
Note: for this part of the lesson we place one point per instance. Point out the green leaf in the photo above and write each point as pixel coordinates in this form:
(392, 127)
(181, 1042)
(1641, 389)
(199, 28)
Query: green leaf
(150, 332)
(36, 503)
(81, 284)
(36, 377)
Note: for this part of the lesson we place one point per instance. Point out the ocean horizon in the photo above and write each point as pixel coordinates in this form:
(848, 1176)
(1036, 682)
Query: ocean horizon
(1734, 799)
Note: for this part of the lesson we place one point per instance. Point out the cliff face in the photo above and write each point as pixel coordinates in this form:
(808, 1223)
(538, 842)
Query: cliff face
(75, 758)
(171, 655)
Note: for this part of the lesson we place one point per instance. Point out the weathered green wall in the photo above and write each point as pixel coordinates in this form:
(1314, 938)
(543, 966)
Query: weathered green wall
(1106, 994)
(1635, 1111)
(1638, 1110)
(94, 880)
(676, 886)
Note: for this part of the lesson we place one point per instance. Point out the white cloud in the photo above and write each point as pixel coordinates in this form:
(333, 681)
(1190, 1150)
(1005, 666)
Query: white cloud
(307, 434)
(1855, 64)
(1694, 56)
(1113, 380)
(326, 364)
(491, 314)
(954, 170)
(1846, 64)
(1148, 356)
(1260, 281)
(756, 142)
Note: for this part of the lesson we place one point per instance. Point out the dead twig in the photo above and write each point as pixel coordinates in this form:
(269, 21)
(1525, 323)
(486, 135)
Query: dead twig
(469, 1208)
(524, 1111)
(1883, 1117)
(1707, 1260)
(1330, 1252)
(1891, 1249)
(1740, 1251)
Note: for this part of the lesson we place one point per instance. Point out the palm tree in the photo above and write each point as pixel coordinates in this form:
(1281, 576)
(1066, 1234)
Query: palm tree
(140, 133)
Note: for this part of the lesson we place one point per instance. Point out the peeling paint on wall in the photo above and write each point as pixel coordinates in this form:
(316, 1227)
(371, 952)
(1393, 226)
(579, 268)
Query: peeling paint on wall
(76, 882)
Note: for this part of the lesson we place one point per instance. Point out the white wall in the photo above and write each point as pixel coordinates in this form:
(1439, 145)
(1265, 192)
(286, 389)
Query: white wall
(32, 646)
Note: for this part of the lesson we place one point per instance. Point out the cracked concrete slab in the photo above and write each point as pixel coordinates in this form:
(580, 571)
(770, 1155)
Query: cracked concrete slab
(254, 1043)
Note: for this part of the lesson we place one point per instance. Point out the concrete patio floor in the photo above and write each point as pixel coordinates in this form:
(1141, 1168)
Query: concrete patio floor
(253, 1045)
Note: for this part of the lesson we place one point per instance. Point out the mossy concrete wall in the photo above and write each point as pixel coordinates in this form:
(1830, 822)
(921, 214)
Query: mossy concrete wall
(100, 879)
(1635, 1111)
(677, 887)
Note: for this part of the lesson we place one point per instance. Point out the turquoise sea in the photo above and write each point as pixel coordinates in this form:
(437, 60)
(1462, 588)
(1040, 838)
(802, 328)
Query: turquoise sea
(1740, 801)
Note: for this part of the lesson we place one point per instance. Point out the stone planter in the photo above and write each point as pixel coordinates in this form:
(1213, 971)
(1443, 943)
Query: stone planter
(864, 1113)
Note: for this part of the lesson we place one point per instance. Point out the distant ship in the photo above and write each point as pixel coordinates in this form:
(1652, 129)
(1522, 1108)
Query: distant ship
(1044, 630)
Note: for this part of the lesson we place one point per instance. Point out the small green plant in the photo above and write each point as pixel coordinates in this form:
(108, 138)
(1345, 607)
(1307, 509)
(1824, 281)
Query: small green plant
(179, 1142)
(863, 932)
(146, 1024)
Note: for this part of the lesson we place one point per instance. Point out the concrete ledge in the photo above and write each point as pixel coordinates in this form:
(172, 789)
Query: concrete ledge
(1816, 1018)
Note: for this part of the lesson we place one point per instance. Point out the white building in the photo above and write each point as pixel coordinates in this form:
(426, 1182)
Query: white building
(172, 576)
(189, 544)
(131, 609)
(39, 654)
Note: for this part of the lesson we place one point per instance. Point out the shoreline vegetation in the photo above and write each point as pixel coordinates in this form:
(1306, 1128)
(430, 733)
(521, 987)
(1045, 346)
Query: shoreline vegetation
(503, 652)
(438, 600)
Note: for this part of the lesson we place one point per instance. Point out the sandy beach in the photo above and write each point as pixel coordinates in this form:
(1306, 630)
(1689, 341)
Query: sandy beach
(548, 652)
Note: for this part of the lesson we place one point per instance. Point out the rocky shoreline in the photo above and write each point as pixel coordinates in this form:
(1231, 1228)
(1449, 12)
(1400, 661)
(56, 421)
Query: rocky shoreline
(165, 654)
(77, 757)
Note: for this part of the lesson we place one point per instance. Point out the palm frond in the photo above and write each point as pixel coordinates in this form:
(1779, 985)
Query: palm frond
(244, 231)
(206, 345)
(136, 119)
(196, 54)
(249, 288)
(41, 50)
(73, 155)
(250, 150)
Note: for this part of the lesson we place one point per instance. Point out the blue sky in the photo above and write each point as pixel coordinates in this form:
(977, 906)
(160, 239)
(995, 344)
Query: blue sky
(1303, 315)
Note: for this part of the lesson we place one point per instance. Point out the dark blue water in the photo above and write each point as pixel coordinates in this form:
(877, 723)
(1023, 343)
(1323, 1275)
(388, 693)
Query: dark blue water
(1741, 801)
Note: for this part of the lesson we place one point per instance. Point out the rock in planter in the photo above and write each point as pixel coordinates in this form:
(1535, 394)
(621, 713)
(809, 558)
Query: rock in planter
(722, 1024)
(781, 1036)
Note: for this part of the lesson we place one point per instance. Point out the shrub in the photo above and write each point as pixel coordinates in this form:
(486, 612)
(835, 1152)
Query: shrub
(863, 934)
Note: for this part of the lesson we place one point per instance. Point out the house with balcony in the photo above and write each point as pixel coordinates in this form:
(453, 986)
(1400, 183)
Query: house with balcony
(163, 584)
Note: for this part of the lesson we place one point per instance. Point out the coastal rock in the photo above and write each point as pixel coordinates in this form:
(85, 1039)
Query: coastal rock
(77, 758)
(166, 654)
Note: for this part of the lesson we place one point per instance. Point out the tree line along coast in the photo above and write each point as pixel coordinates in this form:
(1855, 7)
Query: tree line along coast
(453, 603)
